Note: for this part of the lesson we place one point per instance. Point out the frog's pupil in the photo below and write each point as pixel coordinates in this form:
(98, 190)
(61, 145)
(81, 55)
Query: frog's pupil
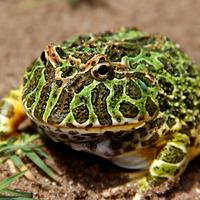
(103, 69)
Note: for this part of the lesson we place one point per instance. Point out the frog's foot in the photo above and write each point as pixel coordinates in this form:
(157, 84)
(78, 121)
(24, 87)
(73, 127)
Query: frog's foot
(11, 113)
(157, 173)
(167, 167)
(157, 168)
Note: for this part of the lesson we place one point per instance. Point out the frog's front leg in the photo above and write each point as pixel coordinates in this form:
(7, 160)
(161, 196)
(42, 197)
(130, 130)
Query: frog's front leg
(168, 165)
(11, 113)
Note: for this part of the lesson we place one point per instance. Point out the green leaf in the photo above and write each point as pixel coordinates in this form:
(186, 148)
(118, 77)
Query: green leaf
(13, 144)
(27, 138)
(37, 160)
(5, 183)
(17, 161)
(15, 198)
(38, 150)
(17, 193)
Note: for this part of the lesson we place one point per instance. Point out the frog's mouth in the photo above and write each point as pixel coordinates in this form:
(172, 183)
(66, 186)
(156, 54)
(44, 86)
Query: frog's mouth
(92, 130)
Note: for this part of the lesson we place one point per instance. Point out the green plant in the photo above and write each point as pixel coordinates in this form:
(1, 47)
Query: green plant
(15, 149)
(8, 194)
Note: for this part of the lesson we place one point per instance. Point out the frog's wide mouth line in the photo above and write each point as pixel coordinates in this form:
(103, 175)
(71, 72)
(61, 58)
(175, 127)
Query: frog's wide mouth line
(92, 130)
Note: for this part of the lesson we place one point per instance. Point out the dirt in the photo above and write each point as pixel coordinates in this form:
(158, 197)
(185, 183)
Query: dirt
(27, 26)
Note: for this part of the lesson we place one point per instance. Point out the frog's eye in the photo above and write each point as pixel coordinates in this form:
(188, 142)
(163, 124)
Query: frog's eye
(102, 71)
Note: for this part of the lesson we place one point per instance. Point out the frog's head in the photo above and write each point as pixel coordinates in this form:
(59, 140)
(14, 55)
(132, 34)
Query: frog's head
(91, 83)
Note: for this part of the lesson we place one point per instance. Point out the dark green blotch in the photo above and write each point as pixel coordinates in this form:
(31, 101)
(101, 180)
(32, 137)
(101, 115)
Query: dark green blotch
(171, 122)
(49, 73)
(31, 100)
(118, 91)
(189, 100)
(185, 129)
(163, 102)
(164, 170)
(147, 65)
(133, 90)
(151, 107)
(172, 154)
(99, 96)
(190, 70)
(191, 124)
(68, 71)
(166, 85)
(177, 110)
(84, 56)
(157, 123)
(78, 82)
(41, 105)
(33, 82)
(128, 110)
(172, 53)
(169, 67)
(81, 114)
(61, 53)
(117, 51)
(62, 107)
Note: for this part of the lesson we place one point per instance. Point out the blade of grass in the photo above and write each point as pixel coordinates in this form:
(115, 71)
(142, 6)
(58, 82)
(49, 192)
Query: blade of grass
(27, 138)
(17, 193)
(37, 160)
(39, 151)
(5, 183)
(14, 198)
(17, 161)
(22, 166)
(14, 144)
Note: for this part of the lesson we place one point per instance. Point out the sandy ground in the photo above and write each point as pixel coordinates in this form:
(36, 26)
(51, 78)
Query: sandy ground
(27, 26)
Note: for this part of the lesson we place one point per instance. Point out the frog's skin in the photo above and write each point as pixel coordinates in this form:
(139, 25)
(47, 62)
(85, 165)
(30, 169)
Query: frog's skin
(128, 96)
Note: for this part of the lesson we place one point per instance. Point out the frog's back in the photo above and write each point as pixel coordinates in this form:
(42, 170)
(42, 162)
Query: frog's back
(140, 87)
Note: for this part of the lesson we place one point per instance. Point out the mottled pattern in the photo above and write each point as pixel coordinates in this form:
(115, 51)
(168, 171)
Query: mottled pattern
(128, 96)
(113, 78)
(99, 95)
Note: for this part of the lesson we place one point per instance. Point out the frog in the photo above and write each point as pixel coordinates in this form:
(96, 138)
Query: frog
(128, 96)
